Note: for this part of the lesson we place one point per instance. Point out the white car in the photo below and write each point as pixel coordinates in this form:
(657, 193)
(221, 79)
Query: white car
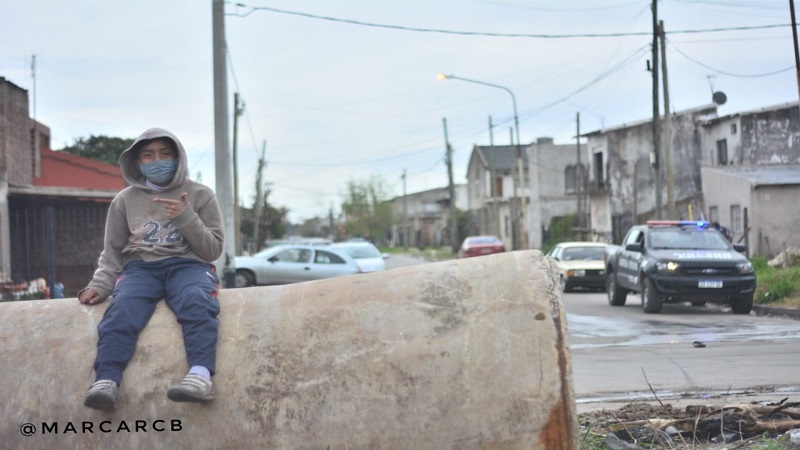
(582, 264)
(367, 256)
(285, 264)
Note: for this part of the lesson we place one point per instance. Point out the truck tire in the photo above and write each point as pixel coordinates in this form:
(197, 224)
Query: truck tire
(616, 294)
(651, 302)
(742, 304)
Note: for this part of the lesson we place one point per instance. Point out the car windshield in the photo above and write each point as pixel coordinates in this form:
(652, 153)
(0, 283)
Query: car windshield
(584, 253)
(695, 239)
(483, 240)
(361, 251)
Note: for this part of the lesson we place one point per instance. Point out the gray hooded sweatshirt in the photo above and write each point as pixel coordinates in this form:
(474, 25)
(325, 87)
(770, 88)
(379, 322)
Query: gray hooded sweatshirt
(137, 228)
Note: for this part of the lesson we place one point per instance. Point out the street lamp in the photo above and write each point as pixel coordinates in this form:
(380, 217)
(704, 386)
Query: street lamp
(524, 235)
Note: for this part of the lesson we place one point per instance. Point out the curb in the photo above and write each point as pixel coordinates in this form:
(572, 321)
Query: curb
(791, 313)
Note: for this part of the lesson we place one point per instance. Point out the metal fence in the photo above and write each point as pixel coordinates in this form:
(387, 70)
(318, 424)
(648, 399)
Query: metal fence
(56, 239)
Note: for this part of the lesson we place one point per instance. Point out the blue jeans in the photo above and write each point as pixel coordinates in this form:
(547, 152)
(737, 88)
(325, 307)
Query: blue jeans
(189, 288)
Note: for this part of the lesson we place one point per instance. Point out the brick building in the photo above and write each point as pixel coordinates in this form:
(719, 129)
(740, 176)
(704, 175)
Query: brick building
(52, 205)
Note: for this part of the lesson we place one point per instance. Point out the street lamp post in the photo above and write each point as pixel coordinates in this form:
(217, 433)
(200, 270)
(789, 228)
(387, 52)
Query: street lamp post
(524, 233)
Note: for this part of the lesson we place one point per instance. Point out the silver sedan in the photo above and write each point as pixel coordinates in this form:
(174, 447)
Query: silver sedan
(285, 264)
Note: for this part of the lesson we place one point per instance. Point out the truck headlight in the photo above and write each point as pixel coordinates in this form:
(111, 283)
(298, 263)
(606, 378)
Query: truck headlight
(576, 273)
(745, 267)
(667, 267)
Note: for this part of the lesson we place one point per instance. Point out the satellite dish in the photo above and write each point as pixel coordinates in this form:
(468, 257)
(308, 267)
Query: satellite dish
(719, 98)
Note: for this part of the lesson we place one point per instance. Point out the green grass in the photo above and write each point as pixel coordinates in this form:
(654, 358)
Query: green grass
(429, 253)
(776, 286)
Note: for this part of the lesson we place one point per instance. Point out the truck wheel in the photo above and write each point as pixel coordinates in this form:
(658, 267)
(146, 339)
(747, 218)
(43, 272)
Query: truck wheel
(651, 302)
(742, 304)
(616, 295)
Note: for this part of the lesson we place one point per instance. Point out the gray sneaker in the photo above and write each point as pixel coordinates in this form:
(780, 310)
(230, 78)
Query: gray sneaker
(102, 394)
(193, 388)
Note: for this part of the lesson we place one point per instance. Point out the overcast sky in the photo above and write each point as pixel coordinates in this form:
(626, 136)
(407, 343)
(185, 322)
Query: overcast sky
(345, 90)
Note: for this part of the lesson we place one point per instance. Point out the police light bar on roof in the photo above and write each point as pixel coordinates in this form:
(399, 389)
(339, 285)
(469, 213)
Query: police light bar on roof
(678, 223)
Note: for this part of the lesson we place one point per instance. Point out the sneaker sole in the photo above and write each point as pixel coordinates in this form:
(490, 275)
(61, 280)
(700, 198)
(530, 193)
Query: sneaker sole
(101, 402)
(180, 395)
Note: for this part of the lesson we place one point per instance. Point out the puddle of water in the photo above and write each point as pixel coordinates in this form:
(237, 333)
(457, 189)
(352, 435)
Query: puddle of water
(603, 331)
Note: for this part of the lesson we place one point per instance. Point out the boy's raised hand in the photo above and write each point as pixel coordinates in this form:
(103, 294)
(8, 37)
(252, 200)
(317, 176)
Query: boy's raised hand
(173, 207)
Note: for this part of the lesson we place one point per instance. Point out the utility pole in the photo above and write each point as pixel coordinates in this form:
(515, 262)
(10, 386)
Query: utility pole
(671, 213)
(405, 212)
(523, 229)
(516, 231)
(224, 192)
(492, 185)
(578, 175)
(794, 37)
(238, 109)
(656, 115)
(451, 189)
(259, 195)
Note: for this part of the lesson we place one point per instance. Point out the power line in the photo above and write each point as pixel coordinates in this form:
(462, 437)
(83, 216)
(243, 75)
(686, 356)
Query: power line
(767, 74)
(482, 33)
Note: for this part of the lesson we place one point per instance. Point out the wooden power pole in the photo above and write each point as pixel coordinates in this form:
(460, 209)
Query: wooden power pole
(656, 114)
(671, 213)
(452, 191)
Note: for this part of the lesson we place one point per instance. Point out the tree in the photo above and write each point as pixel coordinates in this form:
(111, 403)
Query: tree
(101, 148)
(272, 223)
(367, 209)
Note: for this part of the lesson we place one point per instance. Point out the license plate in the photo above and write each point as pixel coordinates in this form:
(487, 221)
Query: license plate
(709, 284)
(486, 250)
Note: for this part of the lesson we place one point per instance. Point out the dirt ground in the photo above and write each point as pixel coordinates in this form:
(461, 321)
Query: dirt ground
(691, 424)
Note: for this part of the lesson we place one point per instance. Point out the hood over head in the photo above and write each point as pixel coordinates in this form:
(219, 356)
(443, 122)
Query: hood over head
(130, 168)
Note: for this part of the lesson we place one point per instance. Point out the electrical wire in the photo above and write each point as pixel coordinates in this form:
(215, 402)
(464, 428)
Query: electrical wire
(252, 9)
(767, 74)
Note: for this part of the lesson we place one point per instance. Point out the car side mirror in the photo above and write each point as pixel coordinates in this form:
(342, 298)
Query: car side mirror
(739, 248)
(273, 259)
(634, 248)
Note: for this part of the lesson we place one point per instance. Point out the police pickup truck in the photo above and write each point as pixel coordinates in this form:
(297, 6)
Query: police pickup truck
(679, 261)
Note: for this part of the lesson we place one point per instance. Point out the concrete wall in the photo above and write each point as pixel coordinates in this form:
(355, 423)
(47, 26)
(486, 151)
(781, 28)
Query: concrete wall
(460, 354)
(549, 199)
(722, 129)
(771, 136)
(722, 189)
(774, 216)
(16, 147)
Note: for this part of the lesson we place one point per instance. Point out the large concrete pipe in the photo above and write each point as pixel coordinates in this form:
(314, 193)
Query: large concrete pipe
(453, 355)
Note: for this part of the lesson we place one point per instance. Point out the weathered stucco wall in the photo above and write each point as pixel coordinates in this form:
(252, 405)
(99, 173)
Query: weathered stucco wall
(774, 216)
(771, 136)
(462, 354)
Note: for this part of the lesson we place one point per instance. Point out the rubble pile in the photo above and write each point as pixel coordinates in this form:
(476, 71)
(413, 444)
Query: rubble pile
(641, 425)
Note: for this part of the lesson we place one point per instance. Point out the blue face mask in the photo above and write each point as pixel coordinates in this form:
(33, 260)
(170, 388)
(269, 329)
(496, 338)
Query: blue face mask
(160, 171)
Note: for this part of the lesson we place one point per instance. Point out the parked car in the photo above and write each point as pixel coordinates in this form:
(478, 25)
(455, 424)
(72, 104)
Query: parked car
(480, 245)
(285, 264)
(581, 264)
(367, 256)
